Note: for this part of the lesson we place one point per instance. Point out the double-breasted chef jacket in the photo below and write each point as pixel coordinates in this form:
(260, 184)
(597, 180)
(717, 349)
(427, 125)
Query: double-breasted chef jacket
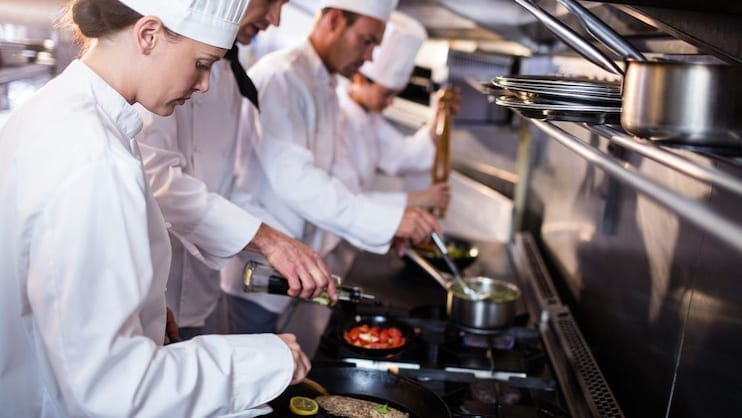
(369, 143)
(84, 261)
(189, 158)
(295, 153)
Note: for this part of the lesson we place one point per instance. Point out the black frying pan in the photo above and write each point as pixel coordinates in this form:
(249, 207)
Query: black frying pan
(371, 385)
(380, 321)
(463, 252)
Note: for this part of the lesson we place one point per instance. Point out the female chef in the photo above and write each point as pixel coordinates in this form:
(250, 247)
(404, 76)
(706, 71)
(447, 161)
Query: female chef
(84, 256)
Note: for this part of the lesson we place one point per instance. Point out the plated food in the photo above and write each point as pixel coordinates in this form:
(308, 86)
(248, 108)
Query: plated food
(345, 406)
(374, 337)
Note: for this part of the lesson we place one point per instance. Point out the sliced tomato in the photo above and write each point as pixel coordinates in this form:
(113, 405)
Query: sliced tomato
(374, 337)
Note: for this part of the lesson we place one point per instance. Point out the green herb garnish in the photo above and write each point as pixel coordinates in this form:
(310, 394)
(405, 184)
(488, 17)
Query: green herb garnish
(382, 409)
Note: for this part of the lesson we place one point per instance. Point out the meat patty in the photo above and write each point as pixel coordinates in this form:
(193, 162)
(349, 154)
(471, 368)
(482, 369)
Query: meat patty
(345, 406)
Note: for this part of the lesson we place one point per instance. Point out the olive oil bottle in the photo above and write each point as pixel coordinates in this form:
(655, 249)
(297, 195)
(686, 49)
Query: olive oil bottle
(257, 277)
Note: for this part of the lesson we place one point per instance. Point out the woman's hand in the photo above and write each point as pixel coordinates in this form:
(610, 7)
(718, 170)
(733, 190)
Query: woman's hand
(302, 365)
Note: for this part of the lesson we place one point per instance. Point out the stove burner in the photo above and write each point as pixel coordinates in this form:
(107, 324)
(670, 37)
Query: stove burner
(439, 347)
(484, 391)
(497, 341)
(478, 331)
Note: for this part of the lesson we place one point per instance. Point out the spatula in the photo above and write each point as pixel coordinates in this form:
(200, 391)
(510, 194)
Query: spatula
(438, 241)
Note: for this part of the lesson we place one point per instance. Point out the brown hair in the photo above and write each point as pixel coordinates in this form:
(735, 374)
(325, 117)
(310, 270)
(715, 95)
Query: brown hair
(91, 19)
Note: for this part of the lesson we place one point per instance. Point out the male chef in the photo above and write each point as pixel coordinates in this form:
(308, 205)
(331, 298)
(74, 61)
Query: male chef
(189, 159)
(368, 143)
(296, 149)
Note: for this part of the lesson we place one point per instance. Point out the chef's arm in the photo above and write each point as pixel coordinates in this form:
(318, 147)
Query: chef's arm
(288, 164)
(102, 319)
(400, 154)
(304, 269)
(342, 165)
(210, 226)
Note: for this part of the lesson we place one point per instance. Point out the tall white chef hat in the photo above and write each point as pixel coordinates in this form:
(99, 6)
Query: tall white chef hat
(213, 22)
(394, 59)
(379, 9)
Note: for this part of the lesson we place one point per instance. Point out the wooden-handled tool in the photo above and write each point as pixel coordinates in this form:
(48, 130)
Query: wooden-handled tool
(442, 160)
(314, 386)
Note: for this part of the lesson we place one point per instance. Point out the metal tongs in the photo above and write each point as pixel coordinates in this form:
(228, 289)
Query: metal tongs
(472, 293)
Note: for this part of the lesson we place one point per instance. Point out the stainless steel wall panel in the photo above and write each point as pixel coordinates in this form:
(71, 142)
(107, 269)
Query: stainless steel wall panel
(636, 288)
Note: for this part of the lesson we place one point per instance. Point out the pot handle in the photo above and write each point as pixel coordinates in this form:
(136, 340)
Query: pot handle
(602, 32)
(423, 263)
(571, 38)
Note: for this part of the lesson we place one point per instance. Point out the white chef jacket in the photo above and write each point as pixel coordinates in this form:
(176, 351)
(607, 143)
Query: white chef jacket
(84, 259)
(299, 112)
(189, 159)
(368, 142)
(294, 148)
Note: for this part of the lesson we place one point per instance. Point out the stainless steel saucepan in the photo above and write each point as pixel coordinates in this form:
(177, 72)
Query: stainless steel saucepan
(693, 103)
(492, 307)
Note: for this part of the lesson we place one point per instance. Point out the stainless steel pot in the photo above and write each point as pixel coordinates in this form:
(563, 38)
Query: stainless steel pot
(490, 312)
(683, 102)
(692, 103)
(497, 310)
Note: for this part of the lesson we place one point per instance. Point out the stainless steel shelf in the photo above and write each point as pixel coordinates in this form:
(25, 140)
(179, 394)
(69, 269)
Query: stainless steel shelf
(692, 169)
(695, 212)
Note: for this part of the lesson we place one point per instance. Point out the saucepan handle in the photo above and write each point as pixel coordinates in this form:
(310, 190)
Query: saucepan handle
(571, 38)
(423, 263)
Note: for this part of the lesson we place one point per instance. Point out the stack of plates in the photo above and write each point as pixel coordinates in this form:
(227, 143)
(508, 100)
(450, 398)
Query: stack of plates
(561, 98)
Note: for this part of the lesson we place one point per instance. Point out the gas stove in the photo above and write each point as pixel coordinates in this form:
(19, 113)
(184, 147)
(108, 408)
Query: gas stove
(501, 373)
(541, 366)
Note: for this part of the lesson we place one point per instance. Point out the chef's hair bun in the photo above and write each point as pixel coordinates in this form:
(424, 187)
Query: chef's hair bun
(97, 18)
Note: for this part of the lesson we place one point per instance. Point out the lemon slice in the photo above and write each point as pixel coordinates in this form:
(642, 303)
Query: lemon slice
(300, 405)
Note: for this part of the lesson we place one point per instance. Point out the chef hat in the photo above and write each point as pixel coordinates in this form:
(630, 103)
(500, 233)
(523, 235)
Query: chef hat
(379, 9)
(394, 60)
(213, 22)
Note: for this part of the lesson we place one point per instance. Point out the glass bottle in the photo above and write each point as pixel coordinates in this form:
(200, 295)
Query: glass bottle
(258, 277)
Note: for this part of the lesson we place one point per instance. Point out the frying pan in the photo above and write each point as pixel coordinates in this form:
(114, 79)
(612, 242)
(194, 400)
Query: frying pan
(371, 385)
(380, 321)
(464, 258)
(692, 103)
